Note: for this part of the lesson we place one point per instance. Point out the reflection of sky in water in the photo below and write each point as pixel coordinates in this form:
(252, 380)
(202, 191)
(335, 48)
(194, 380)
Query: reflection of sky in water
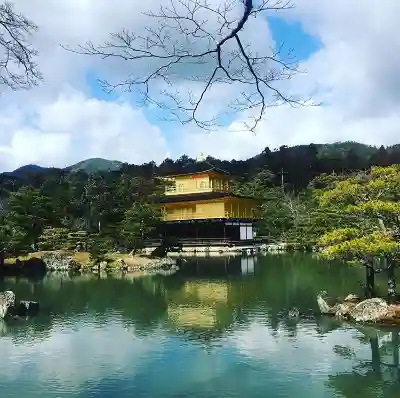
(92, 359)
(73, 356)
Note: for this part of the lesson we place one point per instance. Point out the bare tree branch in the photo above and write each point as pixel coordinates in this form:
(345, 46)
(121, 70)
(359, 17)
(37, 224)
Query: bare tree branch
(194, 41)
(18, 69)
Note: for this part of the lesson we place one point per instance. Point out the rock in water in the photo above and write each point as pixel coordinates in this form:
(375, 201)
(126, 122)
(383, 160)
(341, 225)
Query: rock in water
(370, 310)
(323, 305)
(27, 308)
(293, 313)
(7, 300)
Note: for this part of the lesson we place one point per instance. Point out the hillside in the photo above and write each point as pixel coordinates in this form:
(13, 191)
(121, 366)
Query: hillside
(342, 149)
(95, 165)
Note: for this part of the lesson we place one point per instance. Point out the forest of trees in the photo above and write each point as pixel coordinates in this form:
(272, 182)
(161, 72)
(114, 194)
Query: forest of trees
(302, 202)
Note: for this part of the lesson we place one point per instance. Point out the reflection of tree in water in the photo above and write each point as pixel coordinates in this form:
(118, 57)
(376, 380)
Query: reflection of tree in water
(25, 332)
(202, 302)
(378, 377)
(137, 302)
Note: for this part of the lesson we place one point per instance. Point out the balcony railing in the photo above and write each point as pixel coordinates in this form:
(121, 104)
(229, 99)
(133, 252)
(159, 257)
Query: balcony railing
(208, 188)
(204, 241)
(205, 216)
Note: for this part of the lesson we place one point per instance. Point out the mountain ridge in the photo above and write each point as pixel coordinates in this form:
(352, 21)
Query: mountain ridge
(90, 165)
(325, 151)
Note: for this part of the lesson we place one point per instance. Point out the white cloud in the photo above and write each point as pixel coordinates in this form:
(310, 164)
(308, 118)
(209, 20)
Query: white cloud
(355, 72)
(363, 50)
(293, 126)
(74, 127)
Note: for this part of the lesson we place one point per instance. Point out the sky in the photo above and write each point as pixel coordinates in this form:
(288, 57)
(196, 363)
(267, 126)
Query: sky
(348, 53)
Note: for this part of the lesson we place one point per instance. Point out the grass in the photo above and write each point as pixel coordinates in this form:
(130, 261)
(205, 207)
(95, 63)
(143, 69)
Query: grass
(81, 257)
(12, 260)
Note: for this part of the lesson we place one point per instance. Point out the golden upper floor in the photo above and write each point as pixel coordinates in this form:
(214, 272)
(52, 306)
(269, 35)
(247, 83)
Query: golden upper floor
(217, 208)
(207, 181)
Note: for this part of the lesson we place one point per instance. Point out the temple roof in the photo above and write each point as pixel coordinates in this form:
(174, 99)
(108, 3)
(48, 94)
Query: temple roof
(200, 170)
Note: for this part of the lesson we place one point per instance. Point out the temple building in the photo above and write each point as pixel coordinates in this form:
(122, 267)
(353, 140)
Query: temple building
(201, 207)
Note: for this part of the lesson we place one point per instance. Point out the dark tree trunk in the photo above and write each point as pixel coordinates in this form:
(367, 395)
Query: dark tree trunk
(391, 280)
(1, 259)
(370, 281)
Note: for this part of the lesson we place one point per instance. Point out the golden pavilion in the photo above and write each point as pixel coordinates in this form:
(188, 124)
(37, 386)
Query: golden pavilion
(201, 207)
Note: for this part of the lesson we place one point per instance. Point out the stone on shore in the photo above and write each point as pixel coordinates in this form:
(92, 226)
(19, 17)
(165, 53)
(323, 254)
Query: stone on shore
(154, 265)
(59, 261)
(137, 263)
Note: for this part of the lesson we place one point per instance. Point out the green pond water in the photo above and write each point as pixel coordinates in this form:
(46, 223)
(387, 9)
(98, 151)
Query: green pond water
(218, 328)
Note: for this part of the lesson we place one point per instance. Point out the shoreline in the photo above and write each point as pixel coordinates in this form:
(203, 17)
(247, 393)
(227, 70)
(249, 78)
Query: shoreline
(41, 262)
(217, 250)
(38, 263)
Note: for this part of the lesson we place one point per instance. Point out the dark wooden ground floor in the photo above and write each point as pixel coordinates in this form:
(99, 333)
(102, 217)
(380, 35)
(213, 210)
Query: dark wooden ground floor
(208, 232)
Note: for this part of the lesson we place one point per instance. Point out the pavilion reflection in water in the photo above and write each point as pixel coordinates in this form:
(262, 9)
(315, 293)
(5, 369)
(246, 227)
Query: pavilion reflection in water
(203, 265)
(206, 299)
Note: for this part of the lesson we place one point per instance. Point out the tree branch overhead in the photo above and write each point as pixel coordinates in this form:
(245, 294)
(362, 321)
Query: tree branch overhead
(18, 67)
(200, 45)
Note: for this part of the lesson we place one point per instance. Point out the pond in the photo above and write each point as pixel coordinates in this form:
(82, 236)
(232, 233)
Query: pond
(218, 328)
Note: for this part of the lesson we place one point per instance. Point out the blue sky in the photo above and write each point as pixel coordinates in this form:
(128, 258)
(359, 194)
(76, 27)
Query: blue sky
(293, 35)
